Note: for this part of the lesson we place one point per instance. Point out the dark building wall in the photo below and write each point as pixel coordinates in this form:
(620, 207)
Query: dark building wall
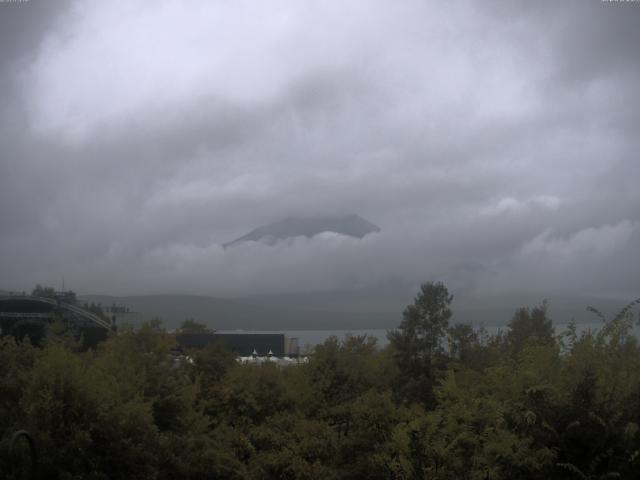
(22, 305)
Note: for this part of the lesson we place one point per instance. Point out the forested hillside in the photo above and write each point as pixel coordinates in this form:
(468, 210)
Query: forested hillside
(226, 314)
(440, 402)
(336, 310)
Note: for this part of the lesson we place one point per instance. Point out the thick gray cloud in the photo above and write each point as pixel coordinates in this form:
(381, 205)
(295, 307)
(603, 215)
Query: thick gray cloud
(495, 144)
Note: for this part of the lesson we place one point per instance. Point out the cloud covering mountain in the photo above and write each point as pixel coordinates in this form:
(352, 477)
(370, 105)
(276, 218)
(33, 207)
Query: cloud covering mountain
(495, 144)
(350, 225)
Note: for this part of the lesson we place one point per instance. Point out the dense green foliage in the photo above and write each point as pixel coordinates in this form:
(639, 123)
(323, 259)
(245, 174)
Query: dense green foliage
(418, 343)
(440, 402)
(190, 325)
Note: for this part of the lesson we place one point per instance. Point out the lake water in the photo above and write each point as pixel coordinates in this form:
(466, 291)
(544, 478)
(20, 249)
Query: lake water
(310, 338)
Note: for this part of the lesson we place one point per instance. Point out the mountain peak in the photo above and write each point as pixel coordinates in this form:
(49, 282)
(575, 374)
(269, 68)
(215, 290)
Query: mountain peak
(351, 225)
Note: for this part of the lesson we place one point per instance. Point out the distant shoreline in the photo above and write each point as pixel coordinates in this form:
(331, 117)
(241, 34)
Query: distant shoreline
(316, 337)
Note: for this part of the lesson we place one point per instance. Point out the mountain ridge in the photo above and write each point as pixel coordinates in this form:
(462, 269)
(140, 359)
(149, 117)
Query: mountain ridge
(338, 309)
(231, 314)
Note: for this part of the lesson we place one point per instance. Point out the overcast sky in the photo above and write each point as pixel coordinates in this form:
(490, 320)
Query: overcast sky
(495, 144)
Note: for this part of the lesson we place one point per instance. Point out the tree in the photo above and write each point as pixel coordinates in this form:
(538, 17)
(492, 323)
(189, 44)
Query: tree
(289, 446)
(418, 341)
(40, 291)
(530, 326)
(190, 325)
(462, 342)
